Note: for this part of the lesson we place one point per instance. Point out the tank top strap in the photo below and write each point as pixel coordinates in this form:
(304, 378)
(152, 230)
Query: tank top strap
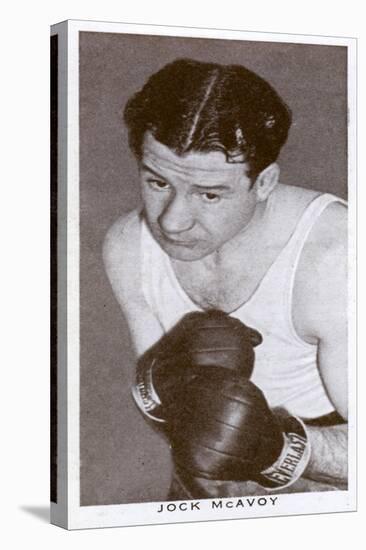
(291, 254)
(162, 292)
(308, 220)
(275, 292)
(149, 261)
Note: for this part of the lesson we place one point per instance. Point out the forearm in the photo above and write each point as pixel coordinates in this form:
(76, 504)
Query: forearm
(328, 461)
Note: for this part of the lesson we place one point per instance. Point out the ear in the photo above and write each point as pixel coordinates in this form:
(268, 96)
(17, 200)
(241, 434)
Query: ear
(266, 181)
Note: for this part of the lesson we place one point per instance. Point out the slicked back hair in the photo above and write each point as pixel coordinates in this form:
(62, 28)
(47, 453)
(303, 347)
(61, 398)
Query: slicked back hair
(193, 106)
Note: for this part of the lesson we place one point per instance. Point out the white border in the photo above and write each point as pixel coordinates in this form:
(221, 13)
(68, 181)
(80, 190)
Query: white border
(197, 32)
(146, 513)
(73, 277)
(352, 270)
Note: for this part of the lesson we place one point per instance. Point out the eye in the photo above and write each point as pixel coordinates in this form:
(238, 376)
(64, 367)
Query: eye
(210, 197)
(158, 185)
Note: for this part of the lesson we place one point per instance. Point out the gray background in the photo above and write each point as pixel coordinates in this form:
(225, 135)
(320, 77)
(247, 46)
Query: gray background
(122, 459)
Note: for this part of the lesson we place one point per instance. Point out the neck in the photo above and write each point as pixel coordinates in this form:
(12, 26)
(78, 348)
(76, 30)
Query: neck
(246, 240)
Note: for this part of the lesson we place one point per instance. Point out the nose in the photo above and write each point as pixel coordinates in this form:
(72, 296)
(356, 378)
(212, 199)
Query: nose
(176, 216)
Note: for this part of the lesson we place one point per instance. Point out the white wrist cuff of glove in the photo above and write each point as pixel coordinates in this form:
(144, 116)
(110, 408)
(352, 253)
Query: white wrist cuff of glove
(145, 395)
(293, 459)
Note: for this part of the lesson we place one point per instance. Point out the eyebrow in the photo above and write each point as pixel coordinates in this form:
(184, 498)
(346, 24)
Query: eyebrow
(217, 187)
(148, 169)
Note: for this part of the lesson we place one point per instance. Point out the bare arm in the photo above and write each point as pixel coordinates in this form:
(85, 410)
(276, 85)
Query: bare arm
(328, 461)
(320, 296)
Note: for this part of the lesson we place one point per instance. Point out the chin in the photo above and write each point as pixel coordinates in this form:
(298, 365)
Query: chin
(195, 251)
(183, 254)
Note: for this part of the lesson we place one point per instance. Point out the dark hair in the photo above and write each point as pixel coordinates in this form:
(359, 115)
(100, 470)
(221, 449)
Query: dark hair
(193, 106)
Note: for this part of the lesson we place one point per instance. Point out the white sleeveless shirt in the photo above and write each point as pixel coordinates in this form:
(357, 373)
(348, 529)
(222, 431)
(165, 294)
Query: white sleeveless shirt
(285, 366)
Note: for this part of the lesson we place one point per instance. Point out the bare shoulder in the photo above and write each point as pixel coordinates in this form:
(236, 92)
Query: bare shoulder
(327, 240)
(320, 289)
(121, 231)
(331, 229)
(326, 248)
(121, 251)
(122, 260)
(320, 300)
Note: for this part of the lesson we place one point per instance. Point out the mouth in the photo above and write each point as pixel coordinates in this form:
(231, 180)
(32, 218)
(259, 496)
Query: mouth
(176, 242)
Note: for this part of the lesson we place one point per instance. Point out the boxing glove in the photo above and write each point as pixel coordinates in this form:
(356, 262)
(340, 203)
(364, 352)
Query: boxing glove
(224, 430)
(200, 342)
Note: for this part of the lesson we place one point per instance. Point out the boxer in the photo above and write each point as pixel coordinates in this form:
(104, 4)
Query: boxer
(218, 231)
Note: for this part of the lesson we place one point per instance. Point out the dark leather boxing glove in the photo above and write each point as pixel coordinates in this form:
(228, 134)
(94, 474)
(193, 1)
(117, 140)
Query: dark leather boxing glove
(225, 430)
(200, 340)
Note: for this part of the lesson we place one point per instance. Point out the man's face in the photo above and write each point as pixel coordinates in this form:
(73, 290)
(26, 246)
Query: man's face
(195, 203)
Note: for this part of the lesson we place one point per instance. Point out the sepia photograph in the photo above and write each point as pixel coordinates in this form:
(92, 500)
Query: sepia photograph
(204, 188)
